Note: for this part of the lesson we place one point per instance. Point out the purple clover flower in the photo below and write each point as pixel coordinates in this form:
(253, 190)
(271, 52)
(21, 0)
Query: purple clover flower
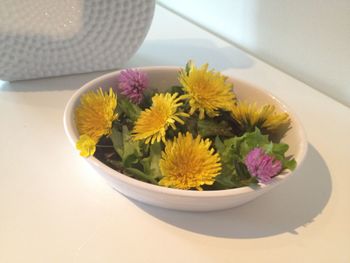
(262, 165)
(132, 83)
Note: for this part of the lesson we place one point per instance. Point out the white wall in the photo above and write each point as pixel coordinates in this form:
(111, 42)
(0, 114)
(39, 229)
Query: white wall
(308, 39)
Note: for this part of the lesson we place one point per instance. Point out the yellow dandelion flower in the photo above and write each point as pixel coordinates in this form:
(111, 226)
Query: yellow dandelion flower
(153, 123)
(95, 114)
(189, 162)
(86, 145)
(249, 116)
(94, 117)
(207, 91)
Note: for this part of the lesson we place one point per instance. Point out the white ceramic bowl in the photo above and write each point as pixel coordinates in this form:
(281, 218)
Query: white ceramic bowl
(162, 77)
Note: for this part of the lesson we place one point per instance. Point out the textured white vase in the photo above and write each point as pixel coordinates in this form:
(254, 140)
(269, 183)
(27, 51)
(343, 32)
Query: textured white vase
(41, 38)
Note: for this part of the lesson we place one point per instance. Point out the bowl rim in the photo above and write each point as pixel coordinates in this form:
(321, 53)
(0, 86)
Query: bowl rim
(69, 130)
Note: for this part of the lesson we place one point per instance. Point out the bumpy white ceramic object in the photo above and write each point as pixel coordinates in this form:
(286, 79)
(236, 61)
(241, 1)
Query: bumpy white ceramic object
(40, 38)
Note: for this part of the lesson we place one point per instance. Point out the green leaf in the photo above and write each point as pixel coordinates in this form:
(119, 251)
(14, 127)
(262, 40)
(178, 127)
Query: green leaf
(239, 147)
(151, 163)
(116, 164)
(251, 140)
(276, 149)
(219, 145)
(146, 165)
(289, 164)
(234, 176)
(117, 140)
(189, 67)
(243, 177)
(130, 146)
(210, 127)
(127, 149)
(176, 89)
(140, 175)
(190, 125)
(223, 181)
(155, 154)
(233, 152)
(131, 110)
(132, 151)
(130, 159)
(252, 182)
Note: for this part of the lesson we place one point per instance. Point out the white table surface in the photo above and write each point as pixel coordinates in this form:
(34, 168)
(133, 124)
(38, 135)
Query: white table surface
(55, 208)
